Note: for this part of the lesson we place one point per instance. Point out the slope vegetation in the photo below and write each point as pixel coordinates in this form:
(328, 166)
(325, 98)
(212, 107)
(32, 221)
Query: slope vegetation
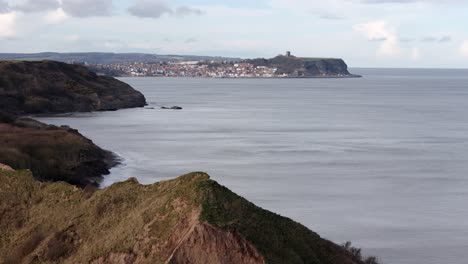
(55, 87)
(191, 219)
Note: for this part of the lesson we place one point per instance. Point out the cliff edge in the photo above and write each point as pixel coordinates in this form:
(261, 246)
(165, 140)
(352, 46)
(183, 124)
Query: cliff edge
(54, 87)
(297, 67)
(48, 87)
(191, 219)
(53, 153)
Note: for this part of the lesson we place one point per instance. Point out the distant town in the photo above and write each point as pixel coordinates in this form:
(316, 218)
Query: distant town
(200, 68)
(187, 69)
(154, 65)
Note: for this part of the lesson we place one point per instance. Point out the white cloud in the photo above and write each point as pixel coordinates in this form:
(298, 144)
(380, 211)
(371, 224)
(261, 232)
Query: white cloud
(72, 38)
(415, 54)
(323, 9)
(382, 32)
(75, 8)
(113, 44)
(7, 25)
(464, 49)
(55, 17)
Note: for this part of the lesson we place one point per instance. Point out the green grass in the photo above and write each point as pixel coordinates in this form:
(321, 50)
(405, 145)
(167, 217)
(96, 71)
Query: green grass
(279, 239)
(60, 223)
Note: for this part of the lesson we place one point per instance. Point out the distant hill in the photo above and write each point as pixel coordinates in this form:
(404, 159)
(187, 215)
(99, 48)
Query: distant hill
(106, 58)
(305, 67)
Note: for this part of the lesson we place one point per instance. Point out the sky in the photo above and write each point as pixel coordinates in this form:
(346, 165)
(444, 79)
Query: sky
(365, 33)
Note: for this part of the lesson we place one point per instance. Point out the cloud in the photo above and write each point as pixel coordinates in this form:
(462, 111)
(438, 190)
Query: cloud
(72, 38)
(7, 25)
(55, 16)
(87, 8)
(429, 39)
(190, 40)
(148, 8)
(331, 17)
(381, 31)
(391, 1)
(187, 11)
(415, 54)
(113, 44)
(4, 7)
(37, 5)
(75, 8)
(464, 49)
(445, 39)
(442, 39)
(407, 39)
(157, 8)
(412, 1)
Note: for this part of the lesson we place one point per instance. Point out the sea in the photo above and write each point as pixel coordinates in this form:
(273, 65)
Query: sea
(381, 161)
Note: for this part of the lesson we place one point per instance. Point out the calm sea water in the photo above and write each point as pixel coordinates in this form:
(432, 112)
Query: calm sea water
(381, 160)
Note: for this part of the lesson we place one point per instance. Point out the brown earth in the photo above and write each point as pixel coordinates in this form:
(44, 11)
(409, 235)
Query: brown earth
(4, 167)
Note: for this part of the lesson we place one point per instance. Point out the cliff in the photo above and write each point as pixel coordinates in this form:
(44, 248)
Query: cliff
(56, 153)
(191, 219)
(55, 87)
(305, 67)
(52, 153)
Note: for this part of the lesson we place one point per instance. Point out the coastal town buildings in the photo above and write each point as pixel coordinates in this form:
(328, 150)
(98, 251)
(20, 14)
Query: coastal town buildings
(187, 69)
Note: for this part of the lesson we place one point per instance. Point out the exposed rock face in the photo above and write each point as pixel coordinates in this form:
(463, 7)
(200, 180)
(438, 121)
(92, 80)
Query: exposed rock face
(182, 221)
(52, 153)
(55, 87)
(4, 167)
(306, 67)
(207, 244)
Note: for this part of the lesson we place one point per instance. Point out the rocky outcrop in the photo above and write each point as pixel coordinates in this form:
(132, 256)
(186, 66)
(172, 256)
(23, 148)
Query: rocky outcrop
(191, 219)
(305, 67)
(208, 244)
(53, 153)
(55, 87)
(172, 107)
(48, 87)
(4, 167)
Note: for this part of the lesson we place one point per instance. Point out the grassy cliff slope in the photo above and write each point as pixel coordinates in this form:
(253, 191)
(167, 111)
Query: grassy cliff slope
(191, 219)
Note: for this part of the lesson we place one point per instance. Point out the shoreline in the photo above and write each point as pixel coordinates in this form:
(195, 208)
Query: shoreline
(69, 155)
(352, 76)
